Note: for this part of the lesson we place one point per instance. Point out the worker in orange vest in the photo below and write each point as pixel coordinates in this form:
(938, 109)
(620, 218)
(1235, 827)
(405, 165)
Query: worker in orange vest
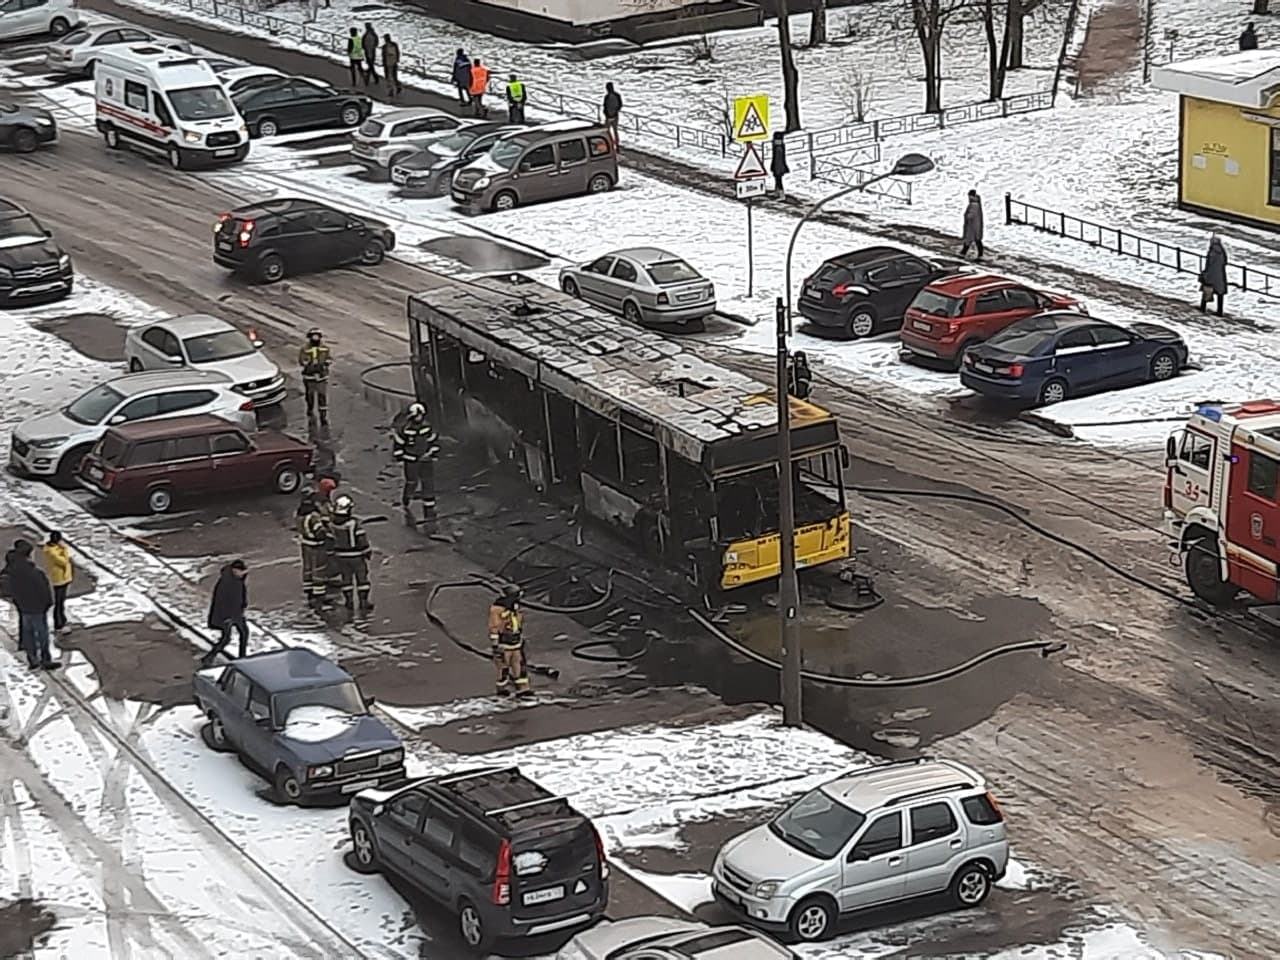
(479, 87)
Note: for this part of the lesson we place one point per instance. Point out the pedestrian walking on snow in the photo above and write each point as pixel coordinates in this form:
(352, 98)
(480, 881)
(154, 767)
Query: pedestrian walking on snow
(612, 108)
(516, 97)
(226, 610)
(33, 596)
(479, 87)
(391, 66)
(778, 163)
(370, 54)
(1213, 278)
(462, 75)
(313, 10)
(355, 56)
(57, 560)
(6, 591)
(971, 234)
(1249, 38)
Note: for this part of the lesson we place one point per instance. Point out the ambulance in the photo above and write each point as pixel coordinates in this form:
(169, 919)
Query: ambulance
(167, 103)
(1222, 500)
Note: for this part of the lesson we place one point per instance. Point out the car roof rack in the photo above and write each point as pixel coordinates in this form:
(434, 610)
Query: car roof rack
(500, 811)
(473, 774)
(941, 788)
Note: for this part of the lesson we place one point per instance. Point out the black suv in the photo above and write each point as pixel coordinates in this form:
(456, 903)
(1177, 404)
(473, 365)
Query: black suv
(268, 240)
(865, 291)
(33, 269)
(507, 857)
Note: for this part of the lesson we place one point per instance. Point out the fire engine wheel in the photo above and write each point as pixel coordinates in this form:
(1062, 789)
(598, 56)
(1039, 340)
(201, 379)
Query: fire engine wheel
(1053, 391)
(1204, 572)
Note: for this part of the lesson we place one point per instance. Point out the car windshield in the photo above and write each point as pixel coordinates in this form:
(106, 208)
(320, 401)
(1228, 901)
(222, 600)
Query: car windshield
(344, 697)
(211, 347)
(94, 406)
(817, 824)
(19, 231)
(671, 271)
(1021, 342)
(371, 128)
(937, 305)
(201, 103)
(453, 144)
(506, 152)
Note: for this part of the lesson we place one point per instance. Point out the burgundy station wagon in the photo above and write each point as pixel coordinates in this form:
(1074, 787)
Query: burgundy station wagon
(157, 461)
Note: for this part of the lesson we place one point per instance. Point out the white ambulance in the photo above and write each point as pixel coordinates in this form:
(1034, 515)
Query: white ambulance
(169, 103)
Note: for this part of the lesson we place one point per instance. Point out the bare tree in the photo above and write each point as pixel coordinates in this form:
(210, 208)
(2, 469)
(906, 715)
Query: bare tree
(818, 25)
(790, 76)
(929, 17)
(1008, 54)
(855, 91)
(1015, 15)
(702, 47)
(716, 108)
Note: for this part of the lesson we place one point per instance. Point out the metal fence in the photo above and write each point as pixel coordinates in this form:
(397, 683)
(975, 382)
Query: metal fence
(1125, 244)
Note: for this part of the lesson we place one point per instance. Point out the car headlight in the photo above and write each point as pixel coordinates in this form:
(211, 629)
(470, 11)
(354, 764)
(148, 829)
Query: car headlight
(483, 182)
(243, 130)
(766, 889)
(320, 772)
(64, 261)
(191, 136)
(48, 443)
(43, 122)
(391, 758)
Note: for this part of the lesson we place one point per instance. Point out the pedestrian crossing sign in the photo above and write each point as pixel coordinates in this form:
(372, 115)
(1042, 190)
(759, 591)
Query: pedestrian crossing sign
(751, 118)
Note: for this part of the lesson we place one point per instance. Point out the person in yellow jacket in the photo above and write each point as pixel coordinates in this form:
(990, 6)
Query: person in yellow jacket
(57, 561)
(506, 638)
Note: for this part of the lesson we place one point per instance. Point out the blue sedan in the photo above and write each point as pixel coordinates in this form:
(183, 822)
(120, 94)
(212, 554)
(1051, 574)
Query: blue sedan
(1052, 356)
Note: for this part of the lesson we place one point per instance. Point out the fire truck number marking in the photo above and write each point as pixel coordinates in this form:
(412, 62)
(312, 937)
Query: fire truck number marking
(1192, 489)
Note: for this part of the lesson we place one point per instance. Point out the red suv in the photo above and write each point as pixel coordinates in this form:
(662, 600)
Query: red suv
(154, 462)
(953, 313)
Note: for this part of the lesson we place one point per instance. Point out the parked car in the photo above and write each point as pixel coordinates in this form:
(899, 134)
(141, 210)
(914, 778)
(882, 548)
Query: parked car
(867, 291)
(25, 129)
(298, 103)
(429, 171)
(33, 268)
(874, 836)
(644, 284)
(53, 444)
(202, 342)
(506, 856)
(77, 52)
(548, 162)
(155, 462)
(665, 938)
(956, 312)
(237, 78)
(32, 18)
(1052, 356)
(385, 140)
(274, 238)
(300, 720)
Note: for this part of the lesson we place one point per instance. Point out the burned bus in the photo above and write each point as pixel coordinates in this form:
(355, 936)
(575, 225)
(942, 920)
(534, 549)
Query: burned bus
(677, 454)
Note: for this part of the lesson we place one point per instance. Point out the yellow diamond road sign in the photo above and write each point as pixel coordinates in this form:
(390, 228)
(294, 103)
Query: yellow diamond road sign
(751, 118)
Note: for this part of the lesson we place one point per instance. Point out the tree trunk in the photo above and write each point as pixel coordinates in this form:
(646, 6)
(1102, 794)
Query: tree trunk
(927, 17)
(818, 25)
(1261, 8)
(790, 76)
(994, 80)
(1017, 13)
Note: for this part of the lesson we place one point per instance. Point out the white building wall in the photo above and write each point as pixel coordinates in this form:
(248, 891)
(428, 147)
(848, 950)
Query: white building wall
(585, 12)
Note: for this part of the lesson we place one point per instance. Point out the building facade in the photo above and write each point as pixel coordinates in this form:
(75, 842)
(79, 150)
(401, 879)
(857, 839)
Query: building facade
(575, 21)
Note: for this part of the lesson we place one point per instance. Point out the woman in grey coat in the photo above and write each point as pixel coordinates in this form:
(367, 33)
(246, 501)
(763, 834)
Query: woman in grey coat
(971, 235)
(1213, 278)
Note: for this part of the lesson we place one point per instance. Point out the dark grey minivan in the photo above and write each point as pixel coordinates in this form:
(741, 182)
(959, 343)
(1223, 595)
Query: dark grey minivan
(555, 160)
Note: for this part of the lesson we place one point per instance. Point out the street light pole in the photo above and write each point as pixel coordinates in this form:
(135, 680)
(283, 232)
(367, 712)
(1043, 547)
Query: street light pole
(788, 583)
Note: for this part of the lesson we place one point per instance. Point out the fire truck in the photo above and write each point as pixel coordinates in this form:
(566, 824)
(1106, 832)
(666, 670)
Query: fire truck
(1222, 505)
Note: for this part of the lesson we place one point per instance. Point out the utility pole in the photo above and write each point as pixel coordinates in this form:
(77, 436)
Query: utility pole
(788, 586)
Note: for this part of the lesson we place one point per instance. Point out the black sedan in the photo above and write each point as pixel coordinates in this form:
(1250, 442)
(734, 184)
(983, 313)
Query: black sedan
(293, 103)
(430, 170)
(1052, 356)
(26, 129)
(865, 291)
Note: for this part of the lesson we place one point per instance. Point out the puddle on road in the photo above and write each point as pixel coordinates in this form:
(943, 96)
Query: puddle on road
(481, 254)
(23, 925)
(137, 660)
(95, 335)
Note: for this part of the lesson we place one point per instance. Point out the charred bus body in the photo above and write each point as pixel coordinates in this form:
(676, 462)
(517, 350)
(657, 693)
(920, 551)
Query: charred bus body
(677, 454)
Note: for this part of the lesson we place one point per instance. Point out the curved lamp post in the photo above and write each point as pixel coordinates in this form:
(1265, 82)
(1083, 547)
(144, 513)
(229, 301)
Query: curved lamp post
(910, 165)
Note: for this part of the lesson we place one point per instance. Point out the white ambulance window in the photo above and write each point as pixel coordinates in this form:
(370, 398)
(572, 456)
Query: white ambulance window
(135, 95)
(1197, 449)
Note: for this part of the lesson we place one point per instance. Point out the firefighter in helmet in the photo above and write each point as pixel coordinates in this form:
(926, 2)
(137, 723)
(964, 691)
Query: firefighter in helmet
(314, 359)
(348, 545)
(413, 443)
(506, 638)
(313, 535)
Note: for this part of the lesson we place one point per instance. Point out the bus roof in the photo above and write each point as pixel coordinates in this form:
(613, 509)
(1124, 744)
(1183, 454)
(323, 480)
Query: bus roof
(608, 364)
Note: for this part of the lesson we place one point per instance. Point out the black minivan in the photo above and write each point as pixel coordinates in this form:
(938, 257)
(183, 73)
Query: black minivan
(506, 856)
(272, 239)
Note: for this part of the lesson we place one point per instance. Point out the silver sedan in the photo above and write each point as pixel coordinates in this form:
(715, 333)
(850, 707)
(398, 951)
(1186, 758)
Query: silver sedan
(663, 938)
(24, 128)
(644, 284)
(77, 53)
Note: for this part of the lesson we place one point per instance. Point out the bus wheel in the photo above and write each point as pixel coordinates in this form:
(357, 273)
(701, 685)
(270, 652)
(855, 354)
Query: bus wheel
(1204, 571)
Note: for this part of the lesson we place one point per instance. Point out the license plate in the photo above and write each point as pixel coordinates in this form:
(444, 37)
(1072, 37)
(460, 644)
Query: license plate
(984, 368)
(225, 153)
(544, 896)
(812, 292)
(224, 244)
(921, 325)
(720, 889)
(459, 197)
(358, 786)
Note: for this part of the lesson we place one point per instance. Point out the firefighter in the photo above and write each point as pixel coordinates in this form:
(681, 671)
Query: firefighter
(506, 638)
(413, 443)
(325, 495)
(349, 547)
(313, 534)
(314, 359)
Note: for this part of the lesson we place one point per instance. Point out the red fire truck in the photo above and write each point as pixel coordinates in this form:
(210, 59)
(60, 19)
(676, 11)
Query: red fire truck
(1222, 505)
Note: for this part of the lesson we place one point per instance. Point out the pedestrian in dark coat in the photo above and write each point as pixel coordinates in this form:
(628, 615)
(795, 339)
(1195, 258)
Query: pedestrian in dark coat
(33, 596)
(6, 591)
(1213, 278)
(391, 66)
(612, 108)
(230, 600)
(1249, 38)
(971, 234)
(778, 163)
(462, 75)
(370, 54)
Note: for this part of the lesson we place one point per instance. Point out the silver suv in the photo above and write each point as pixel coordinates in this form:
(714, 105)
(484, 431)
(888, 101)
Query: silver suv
(871, 837)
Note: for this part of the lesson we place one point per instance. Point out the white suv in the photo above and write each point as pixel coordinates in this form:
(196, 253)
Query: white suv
(34, 18)
(872, 837)
(53, 444)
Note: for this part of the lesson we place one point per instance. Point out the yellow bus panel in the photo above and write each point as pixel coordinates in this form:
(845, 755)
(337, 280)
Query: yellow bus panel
(750, 561)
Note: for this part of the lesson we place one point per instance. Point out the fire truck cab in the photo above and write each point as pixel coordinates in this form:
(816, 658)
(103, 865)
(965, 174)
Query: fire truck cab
(1222, 502)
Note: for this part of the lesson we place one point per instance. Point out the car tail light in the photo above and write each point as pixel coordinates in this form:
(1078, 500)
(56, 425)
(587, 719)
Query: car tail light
(222, 218)
(108, 478)
(841, 289)
(246, 232)
(246, 406)
(502, 876)
(600, 856)
(1012, 370)
(991, 799)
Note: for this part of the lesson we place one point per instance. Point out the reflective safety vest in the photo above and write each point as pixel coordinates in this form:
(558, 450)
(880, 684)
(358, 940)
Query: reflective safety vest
(314, 362)
(313, 529)
(414, 441)
(479, 79)
(505, 626)
(515, 91)
(349, 540)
